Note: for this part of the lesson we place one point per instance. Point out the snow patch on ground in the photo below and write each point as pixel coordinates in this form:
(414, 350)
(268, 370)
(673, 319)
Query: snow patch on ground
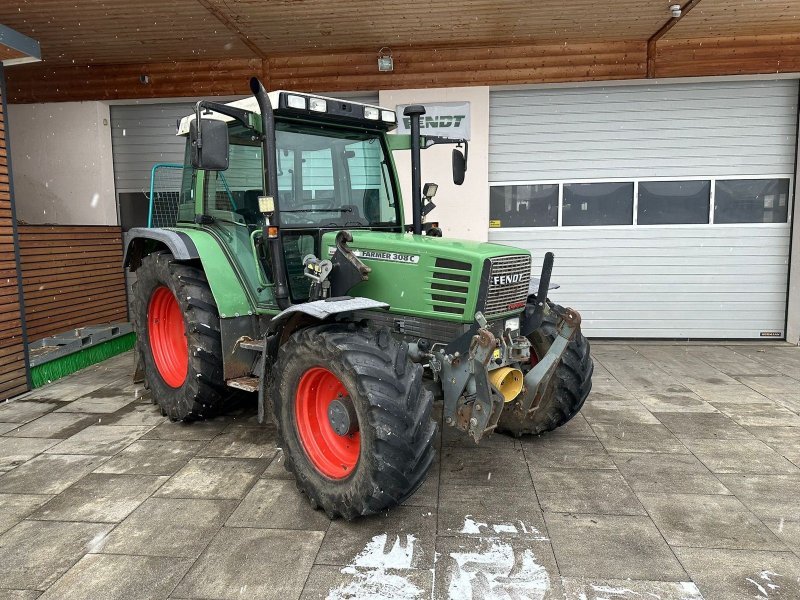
(764, 583)
(471, 526)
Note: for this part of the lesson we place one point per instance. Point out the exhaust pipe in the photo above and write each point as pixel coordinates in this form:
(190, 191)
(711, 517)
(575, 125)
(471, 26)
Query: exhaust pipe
(415, 111)
(271, 178)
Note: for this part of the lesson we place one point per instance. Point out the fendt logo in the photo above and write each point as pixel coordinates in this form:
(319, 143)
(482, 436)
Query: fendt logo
(443, 121)
(506, 279)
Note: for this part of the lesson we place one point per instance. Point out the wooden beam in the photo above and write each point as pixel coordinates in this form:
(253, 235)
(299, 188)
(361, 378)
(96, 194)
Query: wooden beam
(225, 19)
(651, 43)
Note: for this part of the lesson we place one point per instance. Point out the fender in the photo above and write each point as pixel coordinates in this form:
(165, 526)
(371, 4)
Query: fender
(194, 244)
(180, 244)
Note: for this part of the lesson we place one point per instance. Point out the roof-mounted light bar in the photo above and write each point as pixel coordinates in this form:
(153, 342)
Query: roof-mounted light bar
(337, 110)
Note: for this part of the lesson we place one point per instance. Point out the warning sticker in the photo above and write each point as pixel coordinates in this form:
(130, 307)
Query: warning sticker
(495, 223)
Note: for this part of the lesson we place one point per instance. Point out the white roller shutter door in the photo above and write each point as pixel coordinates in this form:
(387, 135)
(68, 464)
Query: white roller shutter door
(700, 280)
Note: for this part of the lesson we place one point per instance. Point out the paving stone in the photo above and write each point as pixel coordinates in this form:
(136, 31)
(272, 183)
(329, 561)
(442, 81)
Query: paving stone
(739, 456)
(97, 405)
(787, 531)
(757, 415)
(15, 451)
(495, 567)
(619, 589)
(585, 491)
(36, 553)
(200, 430)
(22, 411)
(484, 467)
(576, 427)
(100, 439)
(114, 577)
(734, 393)
(682, 402)
(774, 386)
(703, 426)
(7, 427)
(468, 510)
(601, 413)
(737, 574)
(100, 498)
(730, 360)
(220, 478)
(252, 563)
(242, 442)
(19, 594)
(428, 492)
(548, 452)
(327, 582)
(679, 473)
(611, 547)
(15, 507)
(768, 496)
(455, 438)
(409, 524)
(169, 527)
(136, 413)
(277, 504)
(712, 521)
(49, 473)
(55, 425)
(634, 437)
(151, 457)
(276, 470)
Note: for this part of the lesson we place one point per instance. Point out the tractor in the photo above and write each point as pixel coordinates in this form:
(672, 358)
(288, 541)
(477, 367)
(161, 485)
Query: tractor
(284, 266)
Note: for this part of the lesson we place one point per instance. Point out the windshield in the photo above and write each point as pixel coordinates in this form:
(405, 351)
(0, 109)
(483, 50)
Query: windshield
(333, 178)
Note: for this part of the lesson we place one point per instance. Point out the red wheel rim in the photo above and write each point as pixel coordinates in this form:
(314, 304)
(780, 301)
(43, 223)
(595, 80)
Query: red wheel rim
(333, 455)
(534, 358)
(168, 337)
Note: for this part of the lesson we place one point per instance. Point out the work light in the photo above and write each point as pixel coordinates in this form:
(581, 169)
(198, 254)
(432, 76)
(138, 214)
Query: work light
(371, 113)
(293, 101)
(318, 104)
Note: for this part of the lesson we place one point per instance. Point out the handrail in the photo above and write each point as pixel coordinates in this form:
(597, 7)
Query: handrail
(152, 187)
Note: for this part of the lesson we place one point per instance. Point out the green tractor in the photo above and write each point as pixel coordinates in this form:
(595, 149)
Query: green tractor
(284, 266)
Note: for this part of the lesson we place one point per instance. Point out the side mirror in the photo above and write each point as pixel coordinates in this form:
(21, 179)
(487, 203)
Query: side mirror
(459, 167)
(210, 147)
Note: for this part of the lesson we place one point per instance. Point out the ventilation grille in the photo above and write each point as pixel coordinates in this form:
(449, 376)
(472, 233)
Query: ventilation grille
(451, 287)
(509, 279)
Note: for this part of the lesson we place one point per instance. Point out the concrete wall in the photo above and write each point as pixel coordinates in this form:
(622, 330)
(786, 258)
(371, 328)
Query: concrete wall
(462, 211)
(793, 308)
(63, 167)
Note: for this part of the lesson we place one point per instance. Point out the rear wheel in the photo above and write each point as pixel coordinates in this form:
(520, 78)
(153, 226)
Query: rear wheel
(353, 418)
(568, 388)
(178, 337)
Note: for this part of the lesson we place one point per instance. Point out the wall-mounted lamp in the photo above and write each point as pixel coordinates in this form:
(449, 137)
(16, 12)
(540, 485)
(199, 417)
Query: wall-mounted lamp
(385, 60)
(675, 9)
(144, 79)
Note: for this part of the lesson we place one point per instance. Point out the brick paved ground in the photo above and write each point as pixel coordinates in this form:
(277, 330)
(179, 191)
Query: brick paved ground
(680, 479)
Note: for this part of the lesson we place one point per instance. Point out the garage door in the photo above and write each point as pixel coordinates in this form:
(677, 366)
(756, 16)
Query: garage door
(668, 207)
(143, 135)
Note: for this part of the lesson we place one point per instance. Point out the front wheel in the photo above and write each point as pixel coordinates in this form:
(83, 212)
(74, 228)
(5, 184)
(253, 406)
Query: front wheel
(566, 392)
(353, 418)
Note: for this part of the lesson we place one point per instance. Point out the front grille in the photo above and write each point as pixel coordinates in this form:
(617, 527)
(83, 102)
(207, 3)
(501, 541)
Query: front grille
(509, 279)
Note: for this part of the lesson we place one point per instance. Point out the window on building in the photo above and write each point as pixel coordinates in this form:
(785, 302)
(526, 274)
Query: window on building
(673, 202)
(751, 201)
(524, 205)
(598, 204)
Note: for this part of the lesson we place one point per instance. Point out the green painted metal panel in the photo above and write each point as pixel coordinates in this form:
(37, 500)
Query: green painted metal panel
(403, 267)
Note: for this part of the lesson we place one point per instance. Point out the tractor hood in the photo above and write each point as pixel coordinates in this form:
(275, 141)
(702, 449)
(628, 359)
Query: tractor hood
(440, 278)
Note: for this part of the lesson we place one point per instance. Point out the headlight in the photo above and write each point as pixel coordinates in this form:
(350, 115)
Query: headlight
(296, 102)
(388, 116)
(512, 324)
(318, 104)
(371, 113)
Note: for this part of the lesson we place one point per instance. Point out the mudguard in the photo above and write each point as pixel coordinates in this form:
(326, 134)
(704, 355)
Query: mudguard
(180, 244)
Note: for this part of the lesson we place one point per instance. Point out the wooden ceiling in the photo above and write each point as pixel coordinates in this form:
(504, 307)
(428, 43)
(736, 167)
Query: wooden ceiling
(121, 31)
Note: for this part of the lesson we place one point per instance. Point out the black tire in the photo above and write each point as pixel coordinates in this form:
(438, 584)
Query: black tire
(203, 390)
(567, 391)
(392, 407)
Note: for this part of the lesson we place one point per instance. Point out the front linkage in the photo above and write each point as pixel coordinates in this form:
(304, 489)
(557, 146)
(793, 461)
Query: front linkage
(480, 372)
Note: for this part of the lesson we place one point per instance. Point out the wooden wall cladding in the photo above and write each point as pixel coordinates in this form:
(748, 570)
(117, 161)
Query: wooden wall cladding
(40, 83)
(72, 276)
(13, 374)
(728, 56)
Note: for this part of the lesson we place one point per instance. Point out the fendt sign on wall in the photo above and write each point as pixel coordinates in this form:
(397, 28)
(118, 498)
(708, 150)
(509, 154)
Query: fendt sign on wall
(443, 119)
